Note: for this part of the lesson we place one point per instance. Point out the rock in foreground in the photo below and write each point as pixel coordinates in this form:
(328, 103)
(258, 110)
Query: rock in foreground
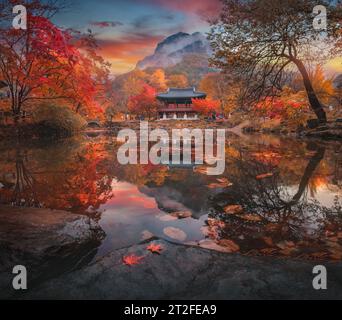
(182, 272)
(47, 242)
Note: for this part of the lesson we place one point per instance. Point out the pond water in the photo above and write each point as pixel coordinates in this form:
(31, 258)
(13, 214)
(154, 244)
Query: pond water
(277, 196)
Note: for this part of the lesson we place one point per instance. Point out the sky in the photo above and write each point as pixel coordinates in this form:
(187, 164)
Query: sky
(129, 30)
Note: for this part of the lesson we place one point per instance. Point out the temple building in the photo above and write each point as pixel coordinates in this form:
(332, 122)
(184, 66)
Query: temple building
(177, 104)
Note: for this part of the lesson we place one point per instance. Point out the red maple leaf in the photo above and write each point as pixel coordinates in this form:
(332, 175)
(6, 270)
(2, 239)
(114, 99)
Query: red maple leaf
(155, 248)
(131, 260)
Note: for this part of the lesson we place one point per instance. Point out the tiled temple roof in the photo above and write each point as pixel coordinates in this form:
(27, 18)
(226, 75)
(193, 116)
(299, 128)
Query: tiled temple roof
(185, 93)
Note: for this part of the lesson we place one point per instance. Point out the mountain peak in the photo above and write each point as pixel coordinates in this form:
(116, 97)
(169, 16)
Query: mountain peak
(172, 50)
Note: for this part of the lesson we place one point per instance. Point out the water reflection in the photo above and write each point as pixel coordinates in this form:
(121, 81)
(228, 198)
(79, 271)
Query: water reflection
(272, 213)
(276, 197)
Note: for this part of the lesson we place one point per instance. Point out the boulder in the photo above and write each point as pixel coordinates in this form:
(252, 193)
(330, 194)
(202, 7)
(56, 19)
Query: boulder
(189, 272)
(47, 242)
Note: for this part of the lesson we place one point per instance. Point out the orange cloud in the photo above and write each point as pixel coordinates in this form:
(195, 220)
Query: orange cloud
(335, 65)
(126, 52)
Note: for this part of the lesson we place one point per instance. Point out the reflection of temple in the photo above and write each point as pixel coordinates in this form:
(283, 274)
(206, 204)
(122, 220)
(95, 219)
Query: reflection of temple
(177, 104)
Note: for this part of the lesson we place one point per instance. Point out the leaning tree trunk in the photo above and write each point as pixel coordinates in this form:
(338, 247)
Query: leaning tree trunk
(309, 171)
(315, 104)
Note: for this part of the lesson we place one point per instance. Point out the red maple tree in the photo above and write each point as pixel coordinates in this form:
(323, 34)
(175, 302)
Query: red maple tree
(45, 62)
(144, 104)
(206, 106)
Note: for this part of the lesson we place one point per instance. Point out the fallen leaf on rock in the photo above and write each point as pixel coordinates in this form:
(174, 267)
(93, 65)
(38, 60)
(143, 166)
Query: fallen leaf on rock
(155, 248)
(229, 244)
(287, 251)
(175, 233)
(223, 180)
(212, 245)
(222, 183)
(131, 260)
(264, 176)
(285, 244)
(233, 209)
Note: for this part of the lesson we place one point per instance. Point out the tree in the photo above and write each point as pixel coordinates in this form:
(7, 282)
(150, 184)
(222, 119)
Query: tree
(177, 81)
(338, 90)
(322, 85)
(111, 112)
(281, 108)
(128, 85)
(157, 80)
(206, 106)
(259, 40)
(221, 87)
(46, 63)
(144, 104)
(194, 66)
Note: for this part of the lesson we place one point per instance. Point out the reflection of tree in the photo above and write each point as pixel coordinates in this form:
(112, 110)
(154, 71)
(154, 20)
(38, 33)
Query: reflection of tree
(74, 177)
(309, 171)
(270, 210)
(24, 193)
(260, 195)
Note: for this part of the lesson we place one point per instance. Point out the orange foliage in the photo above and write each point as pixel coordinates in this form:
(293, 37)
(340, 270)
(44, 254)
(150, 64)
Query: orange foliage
(155, 248)
(144, 104)
(206, 107)
(279, 108)
(131, 260)
(50, 64)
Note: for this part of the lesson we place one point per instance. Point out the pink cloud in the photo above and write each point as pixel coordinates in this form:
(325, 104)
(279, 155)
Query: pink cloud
(105, 24)
(204, 8)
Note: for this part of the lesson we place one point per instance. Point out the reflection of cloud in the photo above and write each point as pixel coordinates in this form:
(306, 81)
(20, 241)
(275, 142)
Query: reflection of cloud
(127, 195)
(105, 24)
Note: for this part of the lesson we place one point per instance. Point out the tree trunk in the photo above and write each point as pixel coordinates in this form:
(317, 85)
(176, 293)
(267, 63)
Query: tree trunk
(16, 109)
(308, 173)
(315, 104)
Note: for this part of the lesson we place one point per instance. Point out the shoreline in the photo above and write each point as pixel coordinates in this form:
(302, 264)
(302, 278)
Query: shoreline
(229, 276)
(330, 131)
